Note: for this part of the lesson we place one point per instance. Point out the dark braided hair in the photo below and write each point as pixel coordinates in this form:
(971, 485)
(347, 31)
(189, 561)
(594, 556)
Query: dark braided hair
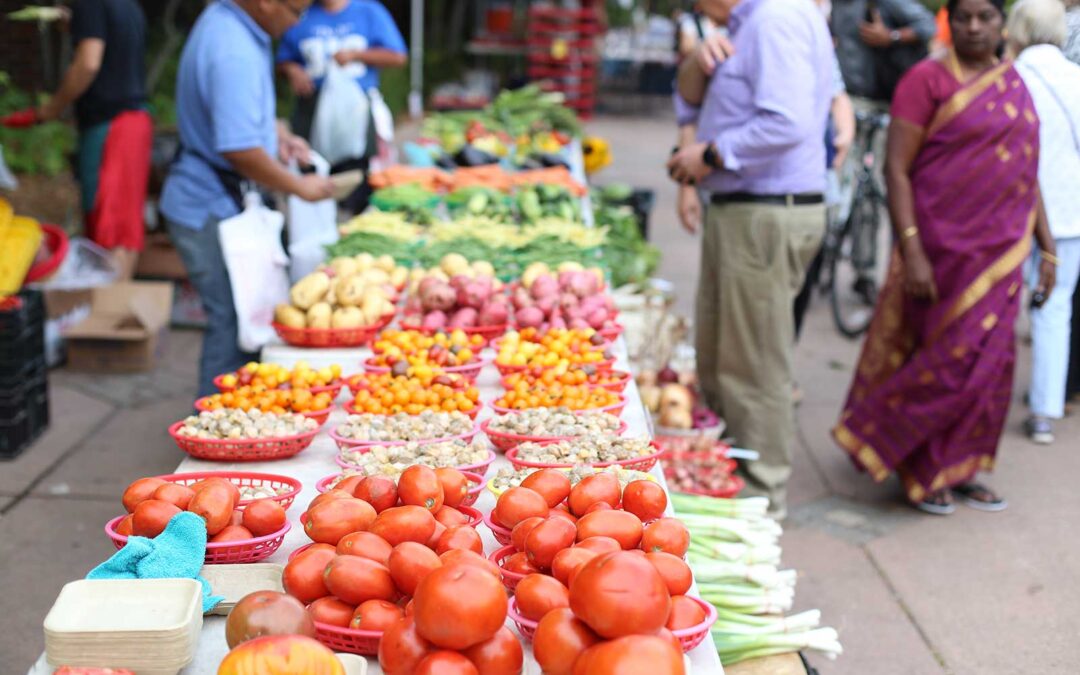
(998, 4)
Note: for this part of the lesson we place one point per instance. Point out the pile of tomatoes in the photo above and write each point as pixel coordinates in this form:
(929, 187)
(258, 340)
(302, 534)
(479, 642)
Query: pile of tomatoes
(601, 563)
(271, 375)
(278, 401)
(523, 396)
(440, 349)
(548, 377)
(152, 502)
(387, 394)
(555, 348)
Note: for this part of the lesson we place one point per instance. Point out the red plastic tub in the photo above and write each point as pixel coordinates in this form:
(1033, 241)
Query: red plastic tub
(242, 450)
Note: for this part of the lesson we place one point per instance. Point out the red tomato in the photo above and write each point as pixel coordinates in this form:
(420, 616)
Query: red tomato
(380, 492)
(621, 526)
(631, 655)
(463, 557)
(404, 523)
(666, 534)
(547, 539)
(600, 544)
(139, 491)
(152, 515)
(355, 580)
(567, 561)
(645, 499)
(266, 613)
(685, 613)
(409, 563)
(124, 526)
(460, 537)
(517, 504)
(600, 487)
(365, 545)
(332, 611)
(376, 615)
(676, 573)
(401, 648)
(501, 655)
(451, 517)
(436, 535)
(564, 514)
(670, 637)
(445, 663)
(237, 517)
(214, 504)
(264, 517)
(232, 533)
(228, 485)
(419, 486)
(553, 485)
(349, 483)
(455, 486)
(459, 606)
(598, 506)
(328, 497)
(519, 564)
(328, 523)
(522, 530)
(538, 594)
(620, 594)
(174, 493)
(559, 640)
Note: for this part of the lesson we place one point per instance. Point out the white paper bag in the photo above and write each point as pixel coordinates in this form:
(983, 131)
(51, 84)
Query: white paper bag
(258, 269)
(339, 129)
(312, 226)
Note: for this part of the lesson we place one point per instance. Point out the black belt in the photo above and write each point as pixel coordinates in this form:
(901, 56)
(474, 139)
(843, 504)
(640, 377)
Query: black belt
(804, 199)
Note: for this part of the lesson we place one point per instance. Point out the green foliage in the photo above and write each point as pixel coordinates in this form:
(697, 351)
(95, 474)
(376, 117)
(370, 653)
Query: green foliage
(42, 149)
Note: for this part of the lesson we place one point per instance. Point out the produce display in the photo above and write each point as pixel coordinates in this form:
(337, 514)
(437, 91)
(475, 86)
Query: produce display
(258, 397)
(734, 553)
(554, 348)
(507, 478)
(395, 343)
(403, 427)
(554, 423)
(587, 450)
(631, 259)
(425, 389)
(270, 375)
(702, 469)
(524, 396)
(548, 377)
(234, 423)
(469, 299)
(349, 293)
(569, 297)
(414, 202)
(379, 460)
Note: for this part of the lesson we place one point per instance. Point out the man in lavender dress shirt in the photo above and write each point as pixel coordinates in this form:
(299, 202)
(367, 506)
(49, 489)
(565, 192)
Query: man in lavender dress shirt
(760, 101)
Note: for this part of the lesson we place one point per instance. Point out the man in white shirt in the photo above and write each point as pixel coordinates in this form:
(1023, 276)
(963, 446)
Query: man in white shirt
(1036, 30)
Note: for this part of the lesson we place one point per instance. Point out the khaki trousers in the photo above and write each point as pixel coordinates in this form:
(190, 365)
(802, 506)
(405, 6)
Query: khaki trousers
(753, 263)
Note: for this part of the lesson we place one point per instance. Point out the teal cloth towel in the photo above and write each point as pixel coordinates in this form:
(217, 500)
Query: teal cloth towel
(176, 553)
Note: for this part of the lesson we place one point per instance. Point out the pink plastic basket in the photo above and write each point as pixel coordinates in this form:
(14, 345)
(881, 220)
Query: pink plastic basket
(480, 468)
(643, 464)
(502, 534)
(245, 479)
(526, 627)
(350, 408)
(618, 386)
(319, 416)
(330, 337)
(475, 479)
(614, 409)
(695, 635)
(245, 551)
(334, 387)
(489, 333)
(470, 371)
(611, 333)
(349, 443)
(242, 450)
(349, 640)
(504, 441)
(509, 579)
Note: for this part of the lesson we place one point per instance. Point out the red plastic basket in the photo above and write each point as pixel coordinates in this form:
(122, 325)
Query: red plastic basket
(504, 370)
(319, 416)
(611, 333)
(618, 386)
(502, 534)
(704, 462)
(349, 640)
(642, 464)
(334, 387)
(613, 409)
(242, 450)
(244, 479)
(350, 408)
(55, 241)
(504, 441)
(350, 443)
(477, 481)
(470, 371)
(509, 579)
(489, 333)
(245, 551)
(480, 469)
(526, 627)
(330, 337)
(695, 635)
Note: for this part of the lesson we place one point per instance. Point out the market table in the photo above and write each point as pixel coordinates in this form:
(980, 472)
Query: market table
(317, 461)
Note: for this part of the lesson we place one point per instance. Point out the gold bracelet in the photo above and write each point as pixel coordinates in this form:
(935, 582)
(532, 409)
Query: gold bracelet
(909, 233)
(1050, 258)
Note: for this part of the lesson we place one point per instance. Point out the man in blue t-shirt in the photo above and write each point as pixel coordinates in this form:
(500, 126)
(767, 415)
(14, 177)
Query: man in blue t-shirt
(359, 34)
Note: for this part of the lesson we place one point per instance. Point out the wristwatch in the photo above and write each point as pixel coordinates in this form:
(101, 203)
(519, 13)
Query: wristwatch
(711, 157)
(894, 36)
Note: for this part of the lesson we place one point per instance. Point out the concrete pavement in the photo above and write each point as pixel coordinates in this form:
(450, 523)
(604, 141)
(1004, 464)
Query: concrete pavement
(973, 593)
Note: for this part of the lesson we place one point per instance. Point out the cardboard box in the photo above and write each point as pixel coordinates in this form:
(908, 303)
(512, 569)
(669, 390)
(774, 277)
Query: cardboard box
(59, 303)
(121, 334)
(159, 259)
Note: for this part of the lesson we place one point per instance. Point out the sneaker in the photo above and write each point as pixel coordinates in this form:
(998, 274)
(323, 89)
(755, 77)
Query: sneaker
(1039, 429)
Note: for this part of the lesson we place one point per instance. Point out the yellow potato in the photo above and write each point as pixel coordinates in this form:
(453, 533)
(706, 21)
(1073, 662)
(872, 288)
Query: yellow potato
(454, 263)
(483, 268)
(344, 267)
(309, 290)
(399, 276)
(347, 317)
(385, 263)
(364, 261)
(375, 277)
(287, 315)
(570, 266)
(319, 315)
(532, 271)
(350, 292)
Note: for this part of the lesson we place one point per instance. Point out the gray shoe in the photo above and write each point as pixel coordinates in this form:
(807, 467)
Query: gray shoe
(1039, 429)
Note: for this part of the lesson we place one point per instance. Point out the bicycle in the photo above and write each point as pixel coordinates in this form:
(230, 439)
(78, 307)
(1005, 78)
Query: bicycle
(850, 271)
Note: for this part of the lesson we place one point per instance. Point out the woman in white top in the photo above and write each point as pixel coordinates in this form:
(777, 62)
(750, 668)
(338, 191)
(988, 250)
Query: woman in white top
(1036, 30)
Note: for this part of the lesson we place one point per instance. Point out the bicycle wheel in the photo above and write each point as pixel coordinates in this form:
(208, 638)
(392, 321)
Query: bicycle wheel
(858, 271)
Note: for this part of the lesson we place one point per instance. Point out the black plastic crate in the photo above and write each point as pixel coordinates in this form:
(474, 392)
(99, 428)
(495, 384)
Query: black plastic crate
(24, 349)
(24, 414)
(29, 310)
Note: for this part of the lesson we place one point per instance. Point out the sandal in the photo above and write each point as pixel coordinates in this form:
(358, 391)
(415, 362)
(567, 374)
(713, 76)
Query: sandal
(980, 497)
(939, 503)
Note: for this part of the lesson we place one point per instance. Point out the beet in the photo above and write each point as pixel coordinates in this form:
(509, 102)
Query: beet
(463, 318)
(434, 320)
(543, 286)
(529, 317)
(494, 314)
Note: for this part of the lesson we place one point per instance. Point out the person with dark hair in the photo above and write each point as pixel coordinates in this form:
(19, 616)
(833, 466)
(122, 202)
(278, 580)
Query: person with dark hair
(877, 41)
(934, 383)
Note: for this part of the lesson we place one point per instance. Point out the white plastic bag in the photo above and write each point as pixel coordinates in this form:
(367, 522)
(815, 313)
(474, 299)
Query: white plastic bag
(258, 269)
(339, 129)
(312, 226)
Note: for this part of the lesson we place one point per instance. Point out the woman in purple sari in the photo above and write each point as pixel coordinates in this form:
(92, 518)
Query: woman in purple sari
(934, 383)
